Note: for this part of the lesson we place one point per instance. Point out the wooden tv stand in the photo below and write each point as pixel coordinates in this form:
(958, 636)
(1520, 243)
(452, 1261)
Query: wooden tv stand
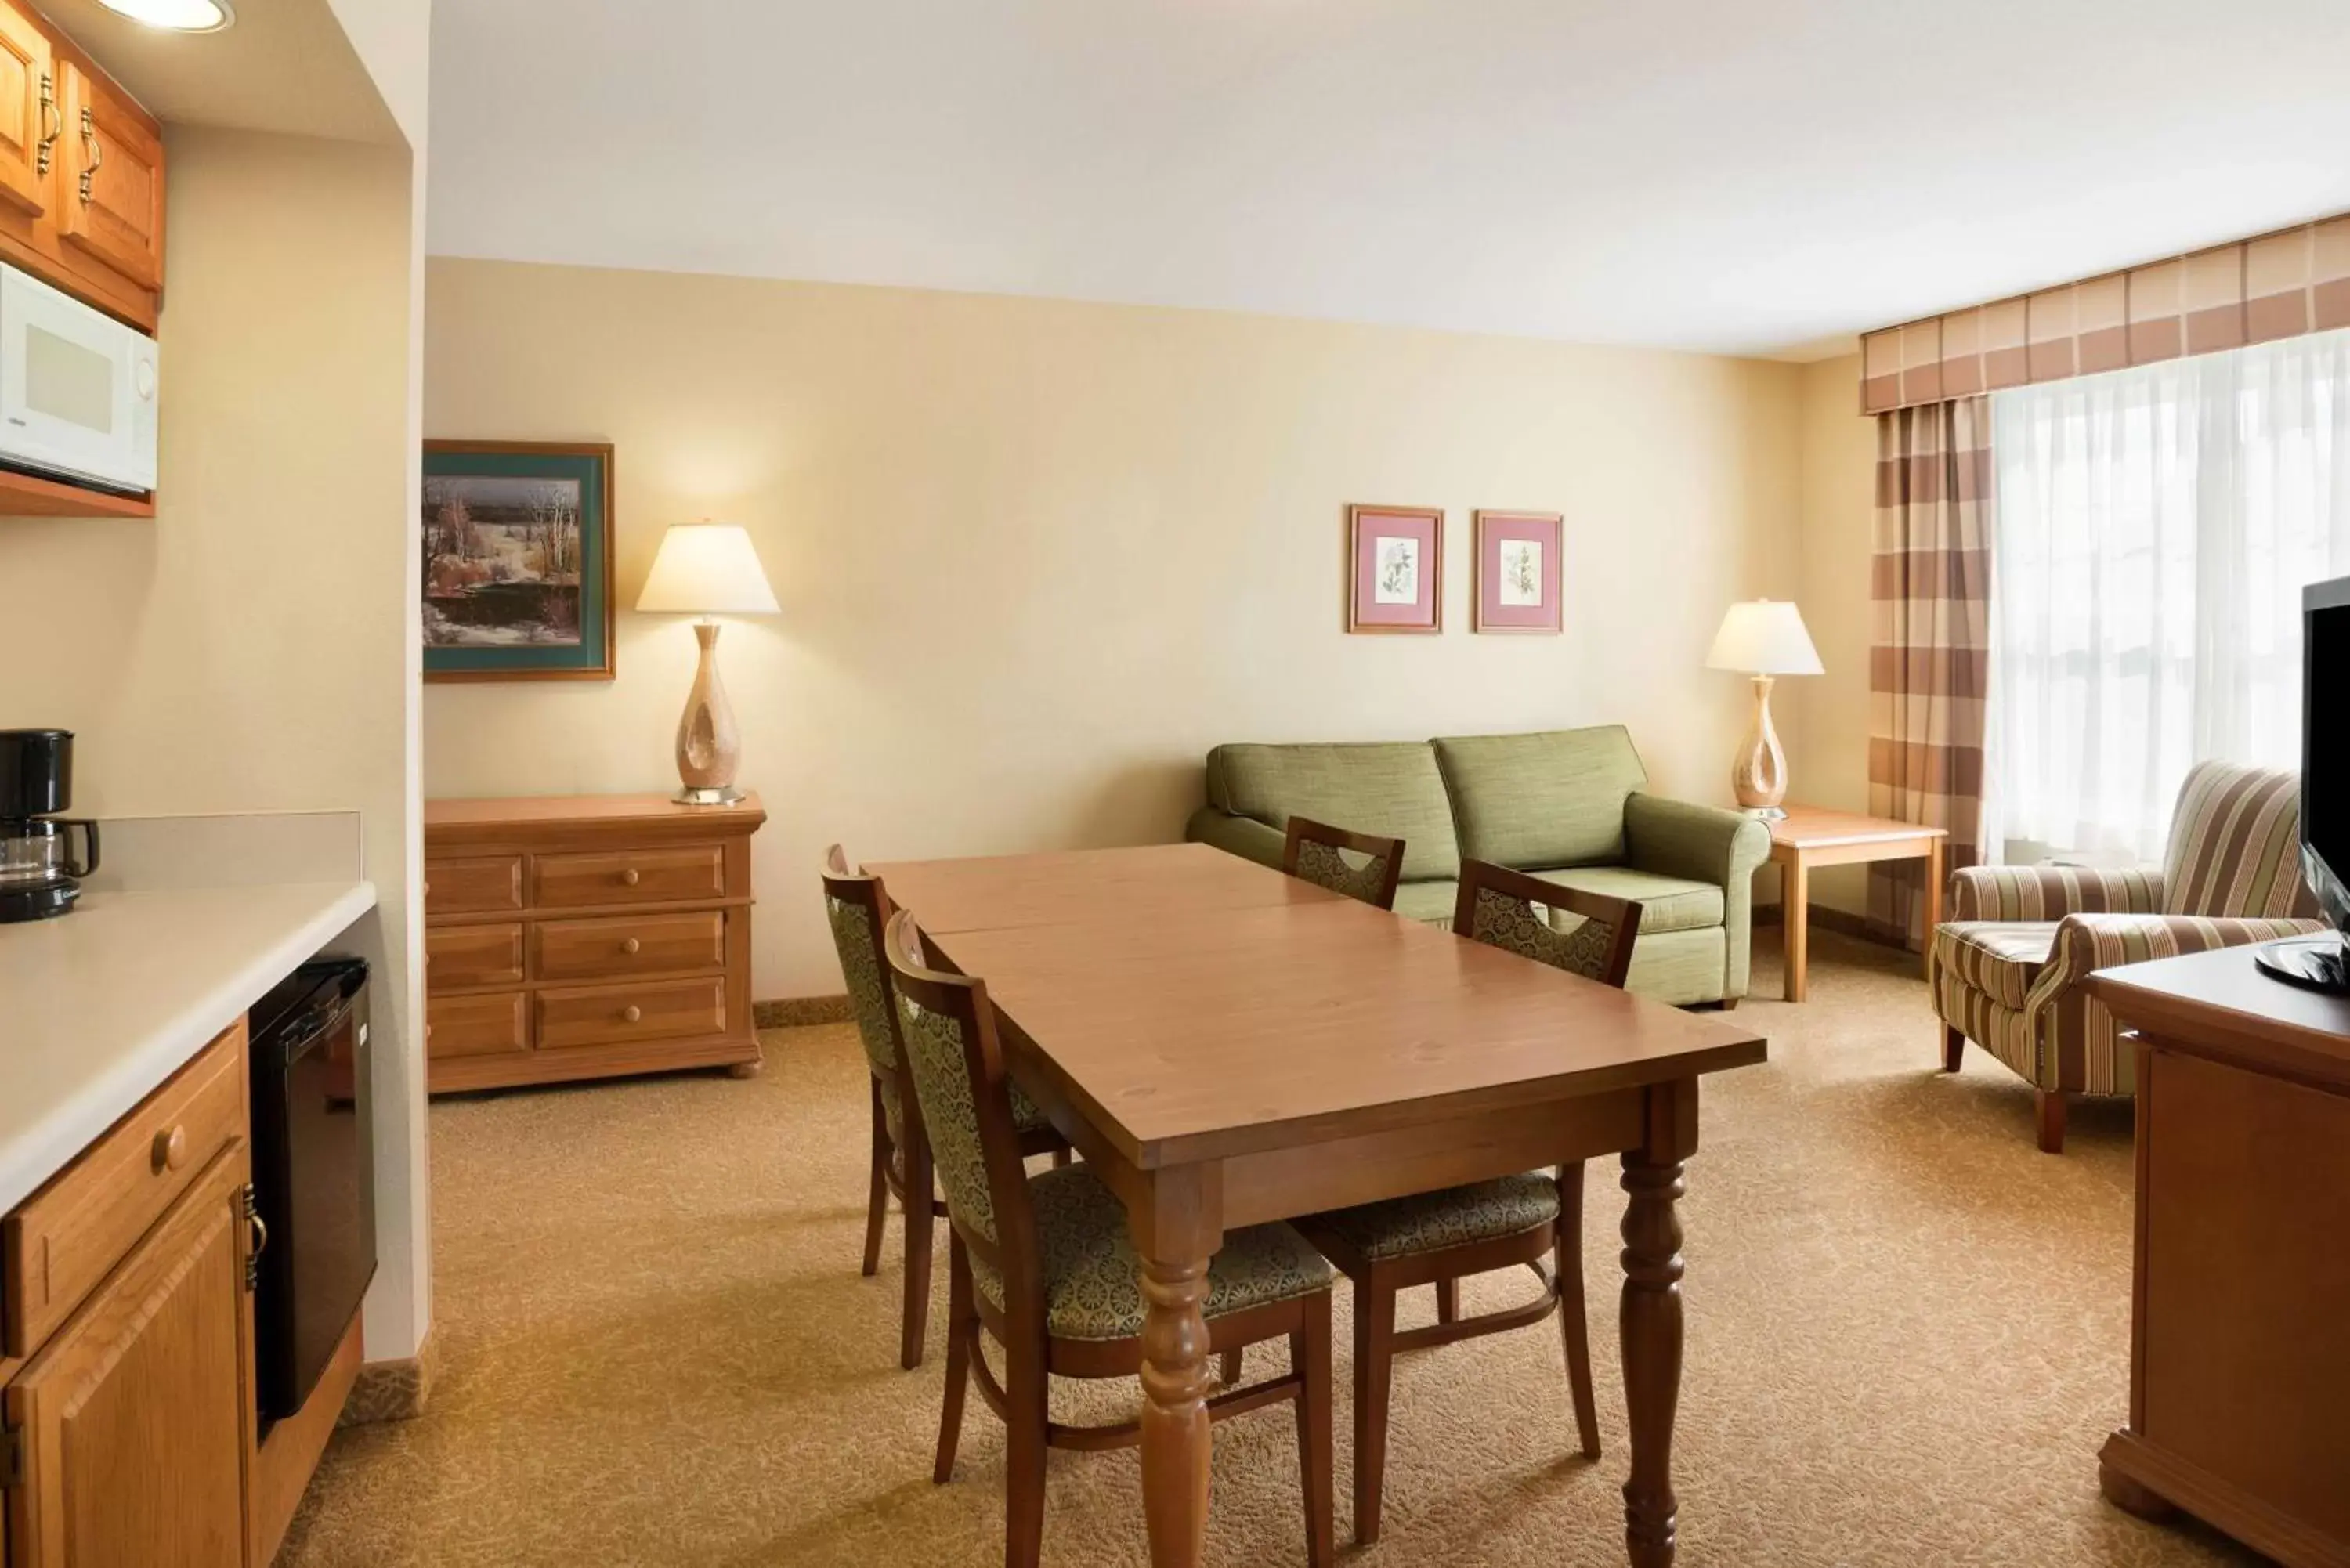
(2240, 1347)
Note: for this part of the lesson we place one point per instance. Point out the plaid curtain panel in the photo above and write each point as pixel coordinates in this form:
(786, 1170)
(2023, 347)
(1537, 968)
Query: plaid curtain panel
(1930, 642)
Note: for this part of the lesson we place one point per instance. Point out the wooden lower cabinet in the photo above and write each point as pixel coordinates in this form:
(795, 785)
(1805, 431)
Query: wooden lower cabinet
(127, 1418)
(586, 937)
(134, 1420)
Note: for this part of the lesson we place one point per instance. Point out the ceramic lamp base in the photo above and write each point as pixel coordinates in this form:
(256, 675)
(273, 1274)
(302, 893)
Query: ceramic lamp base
(1759, 779)
(709, 749)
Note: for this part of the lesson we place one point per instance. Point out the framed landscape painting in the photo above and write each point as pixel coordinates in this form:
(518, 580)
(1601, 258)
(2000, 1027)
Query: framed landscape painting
(517, 561)
(1517, 571)
(1394, 568)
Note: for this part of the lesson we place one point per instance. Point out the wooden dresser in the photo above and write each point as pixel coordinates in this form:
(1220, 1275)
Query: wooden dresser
(2240, 1339)
(586, 937)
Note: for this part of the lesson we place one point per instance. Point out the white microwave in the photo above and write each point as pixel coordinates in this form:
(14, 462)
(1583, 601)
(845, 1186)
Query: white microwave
(77, 388)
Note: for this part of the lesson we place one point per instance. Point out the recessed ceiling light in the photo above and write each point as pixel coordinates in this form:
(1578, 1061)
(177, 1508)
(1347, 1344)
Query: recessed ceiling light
(176, 15)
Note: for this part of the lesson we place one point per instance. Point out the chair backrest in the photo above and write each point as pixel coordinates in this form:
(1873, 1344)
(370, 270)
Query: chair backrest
(2235, 846)
(1313, 852)
(948, 1029)
(856, 907)
(1497, 906)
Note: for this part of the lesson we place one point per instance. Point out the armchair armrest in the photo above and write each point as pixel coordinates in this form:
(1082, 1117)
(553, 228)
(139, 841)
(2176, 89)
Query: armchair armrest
(2052, 892)
(1243, 836)
(1703, 844)
(2086, 943)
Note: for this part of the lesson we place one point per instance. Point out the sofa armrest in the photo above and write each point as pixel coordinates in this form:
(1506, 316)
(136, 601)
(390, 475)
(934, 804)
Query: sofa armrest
(2050, 892)
(2086, 943)
(1703, 844)
(1243, 836)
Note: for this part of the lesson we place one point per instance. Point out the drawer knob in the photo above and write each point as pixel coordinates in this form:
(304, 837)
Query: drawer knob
(428, 890)
(630, 946)
(631, 1013)
(170, 1152)
(629, 877)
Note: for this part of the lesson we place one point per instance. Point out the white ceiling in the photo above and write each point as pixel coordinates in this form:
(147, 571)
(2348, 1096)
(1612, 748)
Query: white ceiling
(1745, 176)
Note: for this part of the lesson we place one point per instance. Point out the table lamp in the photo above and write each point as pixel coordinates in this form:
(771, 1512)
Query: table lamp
(1762, 637)
(707, 569)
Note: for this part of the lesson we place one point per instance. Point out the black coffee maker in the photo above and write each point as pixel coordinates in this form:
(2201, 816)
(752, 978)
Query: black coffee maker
(40, 875)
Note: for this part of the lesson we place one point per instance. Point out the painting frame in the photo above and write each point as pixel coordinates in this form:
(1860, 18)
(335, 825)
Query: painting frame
(1497, 605)
(1369, 579)
(589, 465)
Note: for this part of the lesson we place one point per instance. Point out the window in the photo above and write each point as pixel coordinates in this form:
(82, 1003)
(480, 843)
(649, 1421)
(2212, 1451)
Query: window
(2155, 527)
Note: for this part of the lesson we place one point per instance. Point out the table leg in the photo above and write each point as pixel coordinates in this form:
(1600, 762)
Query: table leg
(1176, 1229)
(1652, 1322)
(1934, 879)
(1796, 905)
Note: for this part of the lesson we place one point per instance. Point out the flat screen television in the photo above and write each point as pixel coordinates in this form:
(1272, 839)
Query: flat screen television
(2322, 961)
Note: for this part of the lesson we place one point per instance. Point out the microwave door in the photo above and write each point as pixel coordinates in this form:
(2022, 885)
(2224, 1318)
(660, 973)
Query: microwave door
(65, 384)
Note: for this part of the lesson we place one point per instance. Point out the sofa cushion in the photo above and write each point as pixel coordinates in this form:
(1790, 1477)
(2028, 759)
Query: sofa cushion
(1552, 798)
(1428, 902)
(2000, 958)
(1666, 903)
(1389, 788)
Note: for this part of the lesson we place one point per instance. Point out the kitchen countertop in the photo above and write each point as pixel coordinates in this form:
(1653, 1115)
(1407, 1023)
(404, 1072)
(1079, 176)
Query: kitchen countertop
(99, 1006)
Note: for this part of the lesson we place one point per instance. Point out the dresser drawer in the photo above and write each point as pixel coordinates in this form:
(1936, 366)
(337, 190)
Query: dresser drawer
(630, 877)
(486, 1025)
(616, 1014)
(66, 1237)
(473, 955)
(619, 946)
(490, 885)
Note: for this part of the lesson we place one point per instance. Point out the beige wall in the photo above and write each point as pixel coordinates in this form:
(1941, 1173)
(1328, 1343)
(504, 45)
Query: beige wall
(1839, 467)
(247, 649)
(1034, 557)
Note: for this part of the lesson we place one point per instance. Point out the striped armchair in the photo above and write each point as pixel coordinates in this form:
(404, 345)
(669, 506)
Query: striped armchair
(2008, 966)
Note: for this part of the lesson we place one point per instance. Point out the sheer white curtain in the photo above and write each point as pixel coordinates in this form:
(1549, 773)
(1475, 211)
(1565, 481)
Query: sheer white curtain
(2154, 530)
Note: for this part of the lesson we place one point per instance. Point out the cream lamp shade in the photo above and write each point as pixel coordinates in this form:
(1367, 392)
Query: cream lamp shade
(707, 569)
(1764, 638)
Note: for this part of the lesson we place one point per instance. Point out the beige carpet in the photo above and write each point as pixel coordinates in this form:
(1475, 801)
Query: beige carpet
(1908, 1334)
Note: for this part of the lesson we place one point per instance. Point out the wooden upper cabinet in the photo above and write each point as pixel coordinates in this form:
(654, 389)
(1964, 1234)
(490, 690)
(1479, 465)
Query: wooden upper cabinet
(111, 197)
(135, 1415)
(30, 117)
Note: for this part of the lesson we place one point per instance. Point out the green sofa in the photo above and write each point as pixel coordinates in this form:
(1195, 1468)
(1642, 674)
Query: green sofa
(1566, 804)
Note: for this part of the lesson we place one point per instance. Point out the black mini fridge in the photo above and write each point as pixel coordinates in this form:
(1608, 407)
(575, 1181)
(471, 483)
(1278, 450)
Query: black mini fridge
(313, 1176)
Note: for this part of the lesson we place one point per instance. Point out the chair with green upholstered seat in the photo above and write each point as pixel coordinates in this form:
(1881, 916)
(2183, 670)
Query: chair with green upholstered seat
(857, 907)
(1317, 852)
(1046, 1266)
(1440, 1238)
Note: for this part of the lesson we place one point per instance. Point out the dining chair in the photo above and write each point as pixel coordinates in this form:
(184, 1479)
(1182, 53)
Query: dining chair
(857, 907)
(1442, 1236)
(1312, 851)
(1044, 1266)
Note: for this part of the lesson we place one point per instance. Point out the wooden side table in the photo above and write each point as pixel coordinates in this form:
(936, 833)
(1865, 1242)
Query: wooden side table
(1809, 836)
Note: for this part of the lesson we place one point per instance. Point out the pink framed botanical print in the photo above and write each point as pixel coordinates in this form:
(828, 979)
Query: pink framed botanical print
(1394, 568)
(1517, 571)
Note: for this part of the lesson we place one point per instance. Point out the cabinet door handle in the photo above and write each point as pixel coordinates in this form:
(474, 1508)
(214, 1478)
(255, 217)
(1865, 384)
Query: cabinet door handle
(629, 879)
(260, 1233)
(171, 1150)
(630, 946)
(93, 149)
(631, 1013)
(53, 125)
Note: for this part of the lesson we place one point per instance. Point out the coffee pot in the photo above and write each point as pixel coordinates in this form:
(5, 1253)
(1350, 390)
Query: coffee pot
(40, 875)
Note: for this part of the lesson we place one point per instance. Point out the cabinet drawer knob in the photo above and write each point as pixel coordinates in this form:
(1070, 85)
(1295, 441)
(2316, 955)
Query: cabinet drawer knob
(630, 946)
(629, 877)
(170, 1152)
(631, 1013)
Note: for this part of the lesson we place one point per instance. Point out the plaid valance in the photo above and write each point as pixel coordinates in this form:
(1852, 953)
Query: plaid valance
(2281, 284)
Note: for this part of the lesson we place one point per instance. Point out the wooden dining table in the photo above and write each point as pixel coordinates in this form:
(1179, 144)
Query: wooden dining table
(1227, 1045)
